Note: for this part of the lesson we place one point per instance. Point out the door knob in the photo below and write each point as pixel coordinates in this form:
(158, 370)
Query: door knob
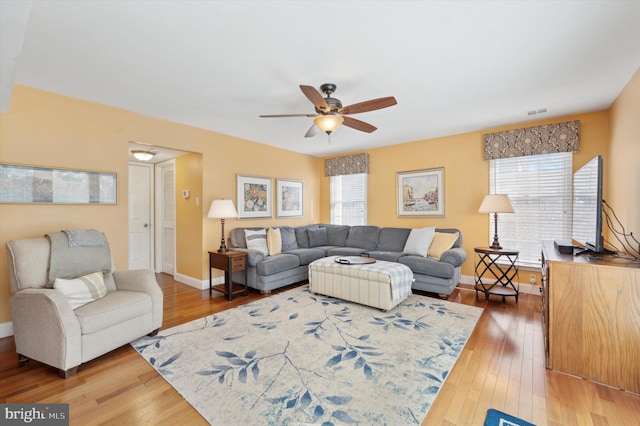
(146, 225)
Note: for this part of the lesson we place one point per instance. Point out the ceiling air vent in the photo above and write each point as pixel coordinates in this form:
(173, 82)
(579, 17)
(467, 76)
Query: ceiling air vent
(537, 111)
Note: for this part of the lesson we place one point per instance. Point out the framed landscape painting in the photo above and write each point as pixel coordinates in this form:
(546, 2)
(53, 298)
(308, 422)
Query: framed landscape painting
(420, 192)
(289, 198)
(33, 184)
(254, 197)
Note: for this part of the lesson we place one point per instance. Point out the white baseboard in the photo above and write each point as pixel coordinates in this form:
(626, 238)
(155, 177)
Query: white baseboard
(196, 283)
(6, 329)
(524, 288)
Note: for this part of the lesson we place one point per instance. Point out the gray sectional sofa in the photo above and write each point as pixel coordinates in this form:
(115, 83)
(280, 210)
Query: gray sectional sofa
(302, 245)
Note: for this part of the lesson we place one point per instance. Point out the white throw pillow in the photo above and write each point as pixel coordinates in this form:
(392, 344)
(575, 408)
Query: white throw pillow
(274, 241)
(257, 240)
(82, 290)
(419, 241)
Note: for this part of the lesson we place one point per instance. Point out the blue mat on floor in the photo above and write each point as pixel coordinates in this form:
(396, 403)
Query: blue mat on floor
(498, 418)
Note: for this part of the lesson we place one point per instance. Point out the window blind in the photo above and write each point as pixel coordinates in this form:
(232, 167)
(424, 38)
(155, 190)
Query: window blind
(349, 199)
(539, 187)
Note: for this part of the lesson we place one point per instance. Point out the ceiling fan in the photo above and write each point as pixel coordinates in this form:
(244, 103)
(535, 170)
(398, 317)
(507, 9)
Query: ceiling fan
(330, 113)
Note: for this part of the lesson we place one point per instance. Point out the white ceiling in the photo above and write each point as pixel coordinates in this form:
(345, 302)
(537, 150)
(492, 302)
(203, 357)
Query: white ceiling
(453, 66)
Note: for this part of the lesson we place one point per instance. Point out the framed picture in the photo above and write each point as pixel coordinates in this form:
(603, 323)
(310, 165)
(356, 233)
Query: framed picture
(254, 197)
(31, 184)
(420, 192)
(289, 198)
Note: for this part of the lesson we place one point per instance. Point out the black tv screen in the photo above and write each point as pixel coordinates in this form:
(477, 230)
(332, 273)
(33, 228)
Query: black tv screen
(587, 206)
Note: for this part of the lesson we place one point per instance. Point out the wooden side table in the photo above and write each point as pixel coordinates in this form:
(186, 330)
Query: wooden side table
(229, 262)
(500, 267)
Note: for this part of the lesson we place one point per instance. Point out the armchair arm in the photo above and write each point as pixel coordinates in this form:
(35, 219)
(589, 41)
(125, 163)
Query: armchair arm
(142, 280)
(46, 328)
(454, 256)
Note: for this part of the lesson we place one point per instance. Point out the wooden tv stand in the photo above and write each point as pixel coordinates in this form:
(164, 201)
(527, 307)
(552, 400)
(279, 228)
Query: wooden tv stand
(591, 315)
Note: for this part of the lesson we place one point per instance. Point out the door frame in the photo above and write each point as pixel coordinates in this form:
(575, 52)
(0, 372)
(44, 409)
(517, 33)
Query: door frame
(159, 217)
(151, 209)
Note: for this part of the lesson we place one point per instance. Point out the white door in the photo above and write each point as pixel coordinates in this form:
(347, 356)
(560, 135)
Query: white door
(166, 217)
(140, 217)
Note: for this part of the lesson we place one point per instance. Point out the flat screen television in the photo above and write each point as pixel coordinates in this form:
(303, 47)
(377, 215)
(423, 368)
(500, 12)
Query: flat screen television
(587, 207)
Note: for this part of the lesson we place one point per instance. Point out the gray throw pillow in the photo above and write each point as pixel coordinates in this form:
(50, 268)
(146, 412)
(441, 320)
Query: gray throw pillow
(317, 237)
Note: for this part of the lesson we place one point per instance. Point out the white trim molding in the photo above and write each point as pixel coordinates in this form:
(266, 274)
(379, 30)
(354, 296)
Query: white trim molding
(6, 329)
(196, 283)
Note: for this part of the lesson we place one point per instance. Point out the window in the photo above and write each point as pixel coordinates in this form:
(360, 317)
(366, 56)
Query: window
(539, 187)
(349, 199)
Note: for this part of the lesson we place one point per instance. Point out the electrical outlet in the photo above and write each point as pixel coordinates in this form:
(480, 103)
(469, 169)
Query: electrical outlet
(532, 279)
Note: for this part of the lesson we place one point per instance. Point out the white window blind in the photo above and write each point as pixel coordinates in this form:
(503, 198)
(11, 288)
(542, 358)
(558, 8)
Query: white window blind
(349, 199)
(539, 187)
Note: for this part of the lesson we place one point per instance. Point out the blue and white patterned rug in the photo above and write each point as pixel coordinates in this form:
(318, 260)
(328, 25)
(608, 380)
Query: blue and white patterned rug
(298, 358)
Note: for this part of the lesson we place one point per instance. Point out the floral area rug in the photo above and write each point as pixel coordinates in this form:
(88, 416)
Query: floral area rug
(296, 358)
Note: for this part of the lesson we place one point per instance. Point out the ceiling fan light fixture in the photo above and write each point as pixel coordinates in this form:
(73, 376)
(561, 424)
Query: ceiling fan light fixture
(328, 123)
(143, 155)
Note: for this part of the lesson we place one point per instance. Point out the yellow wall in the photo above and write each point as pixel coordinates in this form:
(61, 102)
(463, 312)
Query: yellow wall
(46, 129)
(189, 213)
(50, 130)
(623, 169)
(466, 178)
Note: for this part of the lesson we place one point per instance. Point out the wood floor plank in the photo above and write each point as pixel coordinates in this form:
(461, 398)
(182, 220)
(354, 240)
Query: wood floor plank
(501, 367)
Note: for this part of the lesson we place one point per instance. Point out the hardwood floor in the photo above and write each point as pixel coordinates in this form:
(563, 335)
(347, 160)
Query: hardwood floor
(501, 367)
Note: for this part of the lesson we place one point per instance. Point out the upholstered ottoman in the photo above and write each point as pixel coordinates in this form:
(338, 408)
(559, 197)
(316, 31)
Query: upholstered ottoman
(381, 284)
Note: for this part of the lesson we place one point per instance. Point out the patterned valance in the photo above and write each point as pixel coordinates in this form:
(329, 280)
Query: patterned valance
(348, 165)
(557, 137)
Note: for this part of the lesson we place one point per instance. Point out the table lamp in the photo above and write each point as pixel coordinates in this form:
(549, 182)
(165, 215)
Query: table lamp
(222, 209)
(495, 203)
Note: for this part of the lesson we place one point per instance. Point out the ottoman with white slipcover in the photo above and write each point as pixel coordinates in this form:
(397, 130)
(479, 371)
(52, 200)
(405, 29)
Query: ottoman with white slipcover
(381, 285)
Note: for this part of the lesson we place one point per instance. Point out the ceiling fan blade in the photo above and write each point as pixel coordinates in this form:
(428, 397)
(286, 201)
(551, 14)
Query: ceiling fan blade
(315, 97)
(371, 105)
(358, 125)
(288, 115)
(313, 130)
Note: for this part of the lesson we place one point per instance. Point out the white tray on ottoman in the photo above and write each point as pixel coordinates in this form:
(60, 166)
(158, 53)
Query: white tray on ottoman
(381, 285)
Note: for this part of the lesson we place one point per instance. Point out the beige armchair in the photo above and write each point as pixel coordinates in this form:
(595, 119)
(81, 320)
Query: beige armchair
(48, 329)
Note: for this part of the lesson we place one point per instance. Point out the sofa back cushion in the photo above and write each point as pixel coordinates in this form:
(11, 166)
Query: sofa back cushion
(392, 239)
(363, 236)
(317, 237)
(337, 235)
(288, 238)
(302, 238)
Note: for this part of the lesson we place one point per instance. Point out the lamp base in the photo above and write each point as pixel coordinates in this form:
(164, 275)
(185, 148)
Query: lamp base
(223, 247)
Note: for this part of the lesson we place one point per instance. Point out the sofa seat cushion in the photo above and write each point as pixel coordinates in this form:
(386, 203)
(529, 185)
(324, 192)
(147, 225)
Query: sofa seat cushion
(274, 264)
(389, 256)
(113, 309)
(307, 255)
(426, 266)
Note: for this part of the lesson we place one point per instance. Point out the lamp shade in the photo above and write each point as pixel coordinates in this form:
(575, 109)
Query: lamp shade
(496, 203)
(328, 123)
(222, 209)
